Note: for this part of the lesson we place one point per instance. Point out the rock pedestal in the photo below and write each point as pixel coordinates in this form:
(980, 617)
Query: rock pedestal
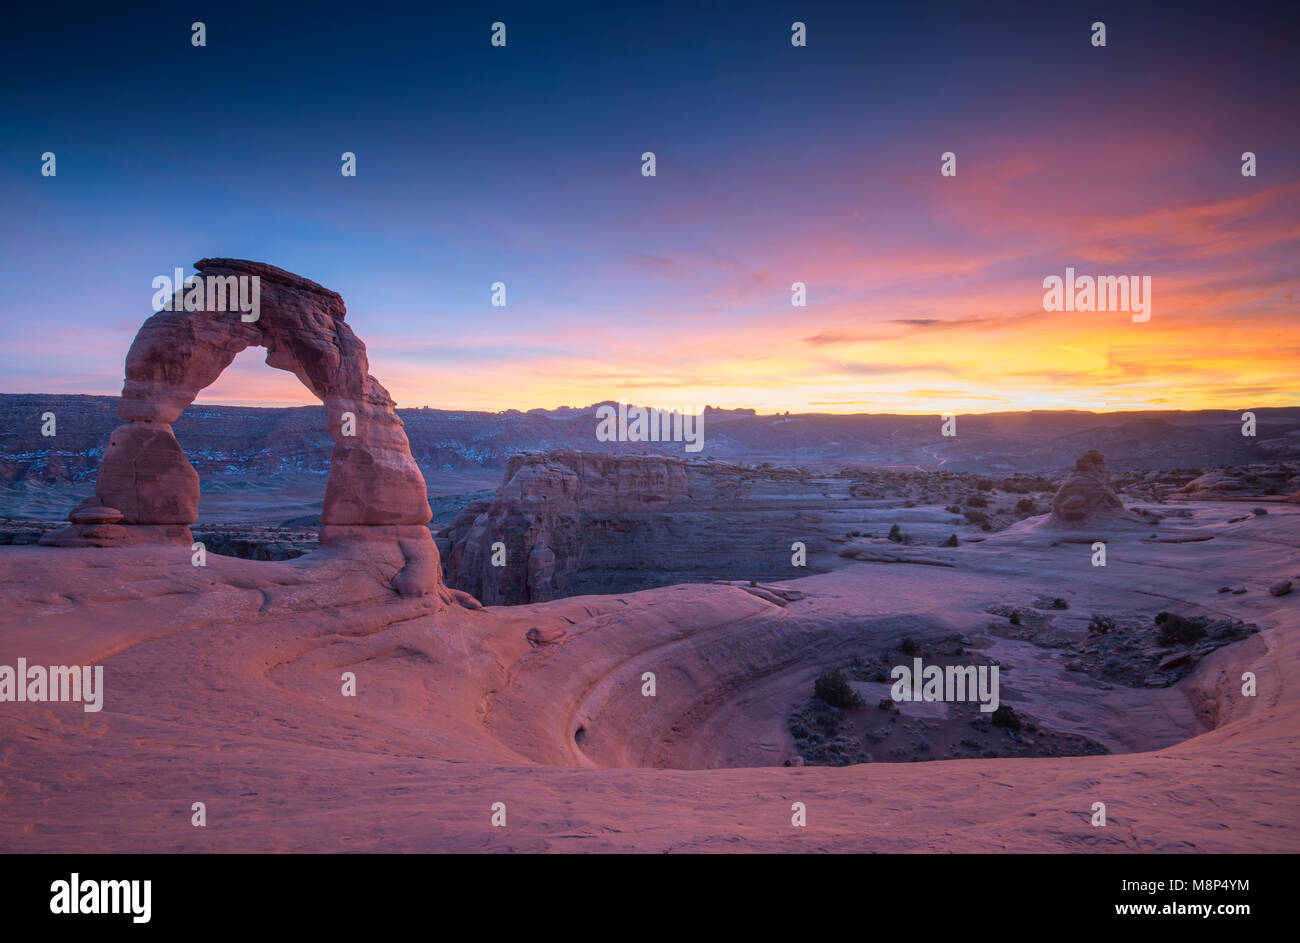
(148, 492)
(1086, 495)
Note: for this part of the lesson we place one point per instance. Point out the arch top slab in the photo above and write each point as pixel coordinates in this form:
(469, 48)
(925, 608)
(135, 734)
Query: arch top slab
(181, 351)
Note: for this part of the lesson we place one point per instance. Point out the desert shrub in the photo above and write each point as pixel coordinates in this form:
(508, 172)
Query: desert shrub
(984, 484)
(951, 541)
(953, 509)
(833, 688)
(977, 517)
(977, 501)
(1004, 716)
(1026, 506)
(896, 534)
(1015, 618)
(1178, 630)
(1100, 625)
(908, 646)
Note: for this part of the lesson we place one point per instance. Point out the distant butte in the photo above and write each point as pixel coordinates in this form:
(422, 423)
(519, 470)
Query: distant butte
(1086, 496)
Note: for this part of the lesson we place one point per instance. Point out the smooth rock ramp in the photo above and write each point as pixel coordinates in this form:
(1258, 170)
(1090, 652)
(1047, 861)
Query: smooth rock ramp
(223, 686)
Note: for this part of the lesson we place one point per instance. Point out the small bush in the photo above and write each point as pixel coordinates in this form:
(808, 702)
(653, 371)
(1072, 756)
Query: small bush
(977, 517)
(951, 541)
(1178, 630)
(908, 646)
(1100, 625)
(977, 501)
(895, 534)
(1004, 716)
(984, 484)
(1026, 506)
(833, 688)
(953, 509)
(1015, 618)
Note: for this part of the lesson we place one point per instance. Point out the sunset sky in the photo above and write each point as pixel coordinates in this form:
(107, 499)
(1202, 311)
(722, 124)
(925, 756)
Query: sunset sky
(775, 164)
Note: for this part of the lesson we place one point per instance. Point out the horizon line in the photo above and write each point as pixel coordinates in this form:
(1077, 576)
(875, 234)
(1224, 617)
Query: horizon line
(726, 409)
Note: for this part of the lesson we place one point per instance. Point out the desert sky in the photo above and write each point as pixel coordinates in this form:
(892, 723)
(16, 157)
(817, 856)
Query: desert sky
(774, 164)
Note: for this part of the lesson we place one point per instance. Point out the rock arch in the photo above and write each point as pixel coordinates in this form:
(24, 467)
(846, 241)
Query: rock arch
(146, 490)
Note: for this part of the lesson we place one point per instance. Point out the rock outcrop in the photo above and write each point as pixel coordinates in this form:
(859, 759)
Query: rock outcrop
(147, 491)
(568, 523)
(1086, 497)
(1213, 483)
(527, 544)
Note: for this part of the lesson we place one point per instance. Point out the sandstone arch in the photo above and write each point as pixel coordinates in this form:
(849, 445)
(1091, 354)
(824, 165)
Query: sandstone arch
(146, 490)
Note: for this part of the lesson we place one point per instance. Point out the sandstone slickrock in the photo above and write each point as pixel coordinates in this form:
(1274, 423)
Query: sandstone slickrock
(1212, 483)
(91, 511)
(544, 636)
(146, 475)
(375, 492)
(461, 705)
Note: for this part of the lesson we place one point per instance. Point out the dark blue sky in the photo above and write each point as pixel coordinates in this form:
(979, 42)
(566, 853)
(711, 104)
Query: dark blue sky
(521, 164)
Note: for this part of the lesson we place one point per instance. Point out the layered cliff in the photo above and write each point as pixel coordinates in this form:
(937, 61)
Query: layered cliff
(570, 523)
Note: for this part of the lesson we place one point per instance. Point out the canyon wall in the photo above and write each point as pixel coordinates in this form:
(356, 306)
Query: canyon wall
(572, 523)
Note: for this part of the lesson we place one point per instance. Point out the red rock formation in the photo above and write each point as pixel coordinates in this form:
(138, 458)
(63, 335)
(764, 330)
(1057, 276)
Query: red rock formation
(148, 491)
(1086, 495)
(574, 523)
(147, 477)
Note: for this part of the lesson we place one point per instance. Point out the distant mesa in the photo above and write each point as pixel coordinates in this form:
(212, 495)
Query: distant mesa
(146, 490)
